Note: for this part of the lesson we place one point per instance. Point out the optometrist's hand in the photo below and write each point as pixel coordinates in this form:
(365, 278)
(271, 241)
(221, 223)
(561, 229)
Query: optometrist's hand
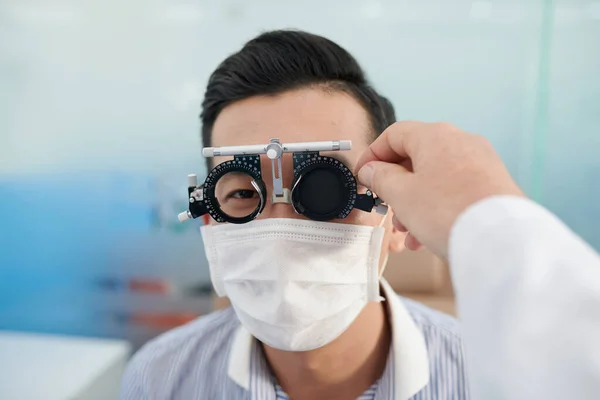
(429, 173)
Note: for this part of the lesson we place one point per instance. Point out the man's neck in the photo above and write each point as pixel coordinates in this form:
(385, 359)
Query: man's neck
(344, 368)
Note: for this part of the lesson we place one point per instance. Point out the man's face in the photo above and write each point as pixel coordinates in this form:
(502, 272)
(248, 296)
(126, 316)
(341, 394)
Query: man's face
(303, 115)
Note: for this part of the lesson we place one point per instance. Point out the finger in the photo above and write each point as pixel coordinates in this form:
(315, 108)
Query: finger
(398, 225)
(388, 180)
(412, 243)
(392, 145)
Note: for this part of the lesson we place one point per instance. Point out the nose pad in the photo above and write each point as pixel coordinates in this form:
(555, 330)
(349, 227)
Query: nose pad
(285, 197)
(280, 210)
(280, 207)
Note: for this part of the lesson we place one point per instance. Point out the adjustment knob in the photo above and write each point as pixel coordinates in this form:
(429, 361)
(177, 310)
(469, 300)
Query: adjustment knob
(192, 180)
(184, 216)
(274, 150)
(272, 153)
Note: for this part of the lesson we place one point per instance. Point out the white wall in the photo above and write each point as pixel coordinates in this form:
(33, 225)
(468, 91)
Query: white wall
(113, 85)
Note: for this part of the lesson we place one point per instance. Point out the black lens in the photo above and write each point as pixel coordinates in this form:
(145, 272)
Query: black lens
(321, 191)
(236, 195)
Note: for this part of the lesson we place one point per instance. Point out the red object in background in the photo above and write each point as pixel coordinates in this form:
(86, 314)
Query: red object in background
(149, 286)
(161, 320)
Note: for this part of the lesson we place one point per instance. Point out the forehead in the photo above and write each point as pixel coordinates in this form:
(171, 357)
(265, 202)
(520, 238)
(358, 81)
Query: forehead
(311, 114)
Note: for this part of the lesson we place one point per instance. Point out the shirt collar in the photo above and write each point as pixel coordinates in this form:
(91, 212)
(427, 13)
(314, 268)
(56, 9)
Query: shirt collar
(411, 362)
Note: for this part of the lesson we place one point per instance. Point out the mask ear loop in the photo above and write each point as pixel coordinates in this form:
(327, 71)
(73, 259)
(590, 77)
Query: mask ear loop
(387, 211)
(385, 261)
(387, 255)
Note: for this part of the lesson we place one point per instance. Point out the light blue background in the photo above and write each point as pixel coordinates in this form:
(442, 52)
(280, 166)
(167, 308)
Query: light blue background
(99, 107)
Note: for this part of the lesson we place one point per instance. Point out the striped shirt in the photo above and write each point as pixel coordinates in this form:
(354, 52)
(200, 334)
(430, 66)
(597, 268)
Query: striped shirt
(369, 394)
(214, 357)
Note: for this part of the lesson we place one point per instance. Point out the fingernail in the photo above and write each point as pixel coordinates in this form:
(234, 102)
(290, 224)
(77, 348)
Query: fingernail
(365, 175)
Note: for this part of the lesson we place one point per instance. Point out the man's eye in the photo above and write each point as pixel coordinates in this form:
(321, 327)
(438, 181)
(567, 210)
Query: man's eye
(242, 194)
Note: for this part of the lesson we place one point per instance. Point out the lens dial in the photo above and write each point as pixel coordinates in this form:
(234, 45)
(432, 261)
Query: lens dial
(234, 191)
(324, 188)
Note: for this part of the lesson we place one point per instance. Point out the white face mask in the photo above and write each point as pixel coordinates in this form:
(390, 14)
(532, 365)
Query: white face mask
(296, 285)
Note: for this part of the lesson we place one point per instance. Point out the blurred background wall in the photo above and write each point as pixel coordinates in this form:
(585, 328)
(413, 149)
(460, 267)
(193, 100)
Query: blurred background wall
(99, 104)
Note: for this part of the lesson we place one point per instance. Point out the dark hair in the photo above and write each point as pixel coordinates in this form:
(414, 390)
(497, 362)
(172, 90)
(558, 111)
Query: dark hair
(282, 60)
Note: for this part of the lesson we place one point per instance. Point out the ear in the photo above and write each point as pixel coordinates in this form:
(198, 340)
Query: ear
(397, 241)
(397, 238)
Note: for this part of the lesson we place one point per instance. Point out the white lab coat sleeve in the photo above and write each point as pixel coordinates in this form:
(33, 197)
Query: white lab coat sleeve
(528, 295)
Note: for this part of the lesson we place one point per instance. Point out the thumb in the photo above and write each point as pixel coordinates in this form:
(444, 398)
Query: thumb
(387, 180)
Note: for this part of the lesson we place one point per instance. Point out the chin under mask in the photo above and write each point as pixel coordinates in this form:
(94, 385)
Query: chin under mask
(296, 285)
